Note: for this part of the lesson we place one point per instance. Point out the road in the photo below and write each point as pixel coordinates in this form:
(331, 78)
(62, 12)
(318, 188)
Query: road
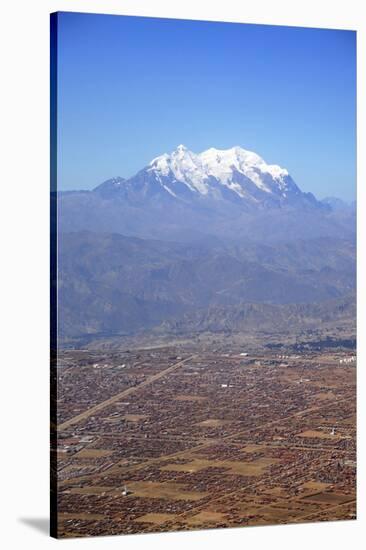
(118, 396)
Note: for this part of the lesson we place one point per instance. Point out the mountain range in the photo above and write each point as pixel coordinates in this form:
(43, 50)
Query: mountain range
(202, 241)
(233, 175)
(228, 194)
(111, 284)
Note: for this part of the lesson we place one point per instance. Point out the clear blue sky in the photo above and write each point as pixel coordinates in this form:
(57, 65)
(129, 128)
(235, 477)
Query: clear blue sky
(132, 88)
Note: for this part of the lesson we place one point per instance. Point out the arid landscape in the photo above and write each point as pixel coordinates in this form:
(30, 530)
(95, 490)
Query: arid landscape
(203, 275)
(209, 381)
(177, 438)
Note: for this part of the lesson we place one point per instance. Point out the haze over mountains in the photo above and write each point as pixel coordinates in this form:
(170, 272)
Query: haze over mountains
(230, 194)
(196, 233)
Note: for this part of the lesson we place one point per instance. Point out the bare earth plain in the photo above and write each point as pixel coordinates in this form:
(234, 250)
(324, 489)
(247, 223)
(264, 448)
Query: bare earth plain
(181, 438)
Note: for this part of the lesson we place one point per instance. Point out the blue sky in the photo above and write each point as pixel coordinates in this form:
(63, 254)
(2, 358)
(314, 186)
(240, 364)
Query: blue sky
(130, 89)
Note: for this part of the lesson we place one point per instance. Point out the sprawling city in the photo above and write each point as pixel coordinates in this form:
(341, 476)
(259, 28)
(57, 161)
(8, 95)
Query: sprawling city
(203, 275)
(173, 439)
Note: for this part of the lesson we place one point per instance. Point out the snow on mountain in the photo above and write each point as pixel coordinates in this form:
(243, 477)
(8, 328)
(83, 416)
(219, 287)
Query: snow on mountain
(214, 179)
(230, 168)
(231, 194)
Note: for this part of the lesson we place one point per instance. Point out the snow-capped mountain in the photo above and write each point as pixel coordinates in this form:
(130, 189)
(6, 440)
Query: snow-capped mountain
(234, 175)
(184, 196)
(227, 167)
(190, 240)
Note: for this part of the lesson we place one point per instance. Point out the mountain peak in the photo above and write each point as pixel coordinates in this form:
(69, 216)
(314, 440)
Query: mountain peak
(237, 171)
(108, 187)
(181, 148)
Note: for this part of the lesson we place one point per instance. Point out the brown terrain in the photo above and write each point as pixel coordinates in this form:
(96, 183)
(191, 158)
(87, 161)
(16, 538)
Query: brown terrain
(187, 437)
